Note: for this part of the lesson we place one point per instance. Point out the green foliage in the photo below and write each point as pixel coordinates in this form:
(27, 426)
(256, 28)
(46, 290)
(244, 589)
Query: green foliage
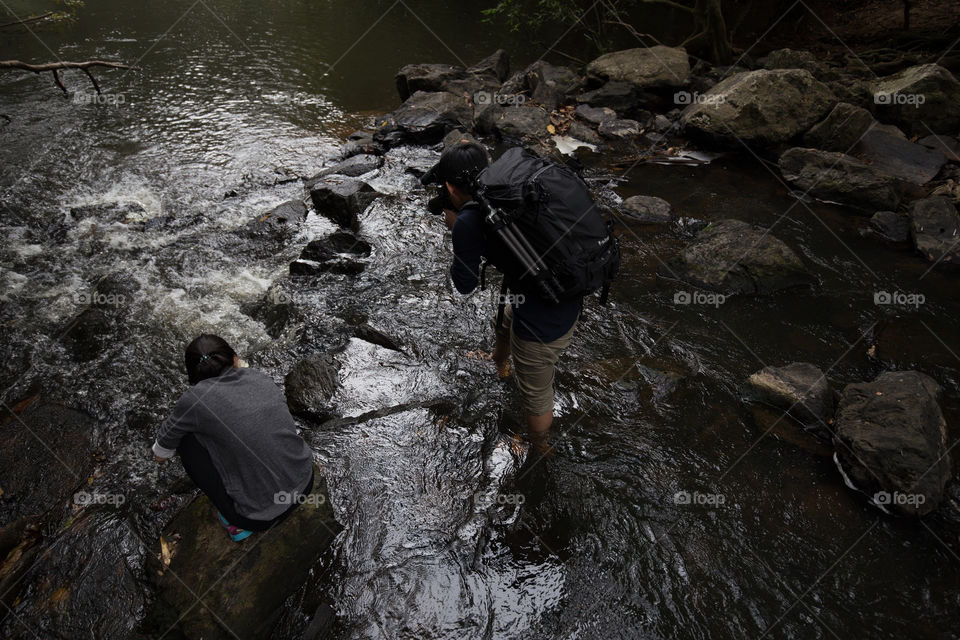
(585, 16)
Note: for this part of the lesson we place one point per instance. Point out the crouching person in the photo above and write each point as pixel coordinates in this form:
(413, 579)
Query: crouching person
(236, 440)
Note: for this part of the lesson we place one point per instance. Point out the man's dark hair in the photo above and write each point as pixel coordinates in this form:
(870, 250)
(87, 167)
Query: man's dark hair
(461, 164)
(207, 357)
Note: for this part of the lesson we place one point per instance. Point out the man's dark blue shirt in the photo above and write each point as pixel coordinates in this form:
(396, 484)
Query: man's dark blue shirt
(533, 319)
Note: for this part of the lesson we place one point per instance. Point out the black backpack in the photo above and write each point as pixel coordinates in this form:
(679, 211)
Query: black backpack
(571, 249)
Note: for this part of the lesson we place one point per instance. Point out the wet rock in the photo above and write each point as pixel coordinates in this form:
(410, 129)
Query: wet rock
(895, 156)
(342, 200)
(662, 123)
(352, 167)
(513, 123)
(241, 586)
(282, 217)
(310, 386)
(765, 107)
(366, 332)
(125, 212)
(619, 128)
(594, 115)
(551, 85)
(643, 67)
(891, 225)
(800, 389)
(496, 64)
(839, 178)
(334, 254)
(647, 209)
(45, 453)
(947, 145)
(427, 77)
(851, 90)
(91, 331)
(582, 132)
(891, 441)
(935, 228)
(424, 118)
(920, 99)
(733, 257)
(621, 97)
(840, 130)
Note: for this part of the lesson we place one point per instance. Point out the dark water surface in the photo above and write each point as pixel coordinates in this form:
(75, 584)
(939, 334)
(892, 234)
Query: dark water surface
(233, 102)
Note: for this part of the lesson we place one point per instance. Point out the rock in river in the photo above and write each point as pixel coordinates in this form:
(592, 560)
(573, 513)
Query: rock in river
(424, 118)
(838, 177)
(935, 228)
(513, 123)
(342, 200)
(800, 389)
(759, 106)
(310, 386)
(891, 441)
(647, 209)
(840, 130)
(643, 67)
(240, 586)
(731, 257)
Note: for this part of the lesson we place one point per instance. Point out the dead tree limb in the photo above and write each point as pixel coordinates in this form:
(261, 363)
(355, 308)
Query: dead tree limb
(15, 23)
(55, 68)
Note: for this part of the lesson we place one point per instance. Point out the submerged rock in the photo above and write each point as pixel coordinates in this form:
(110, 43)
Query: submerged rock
(891, 441)
(424, 118)
(838, 177)
(733, 257)
(342, 200)
(643, 67)
(891, 225)
(840, 130)
(762, 106)
(647, 209)
(352, 167)
(920, 99)
(800, 389)
(335, 253)
(282, 217)
(935, 228)
(240, 586)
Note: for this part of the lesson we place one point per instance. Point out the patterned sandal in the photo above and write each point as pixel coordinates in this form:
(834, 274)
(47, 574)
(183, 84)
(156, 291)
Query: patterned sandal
(236, 533)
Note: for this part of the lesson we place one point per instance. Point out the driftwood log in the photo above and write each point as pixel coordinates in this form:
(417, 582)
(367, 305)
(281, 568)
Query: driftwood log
(55, 68)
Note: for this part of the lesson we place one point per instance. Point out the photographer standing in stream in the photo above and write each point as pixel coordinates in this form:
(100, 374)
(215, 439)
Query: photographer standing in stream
(531, 329)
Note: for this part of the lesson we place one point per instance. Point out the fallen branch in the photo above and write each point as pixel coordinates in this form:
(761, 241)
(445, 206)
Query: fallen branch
(27, 20)
(55, 67)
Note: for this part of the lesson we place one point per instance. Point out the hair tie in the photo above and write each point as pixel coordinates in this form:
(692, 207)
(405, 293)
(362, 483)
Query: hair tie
(204, 357)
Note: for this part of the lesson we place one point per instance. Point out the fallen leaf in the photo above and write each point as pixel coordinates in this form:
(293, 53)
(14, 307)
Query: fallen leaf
(551, 129)
(165, 556)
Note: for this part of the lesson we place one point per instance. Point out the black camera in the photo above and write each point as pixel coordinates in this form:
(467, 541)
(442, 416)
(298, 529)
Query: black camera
(441, 201)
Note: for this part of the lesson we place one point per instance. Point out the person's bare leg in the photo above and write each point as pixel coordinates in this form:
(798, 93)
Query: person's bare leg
(501, 353)
(538, 428)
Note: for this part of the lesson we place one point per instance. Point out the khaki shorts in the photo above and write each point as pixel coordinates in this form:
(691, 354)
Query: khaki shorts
(535, 365)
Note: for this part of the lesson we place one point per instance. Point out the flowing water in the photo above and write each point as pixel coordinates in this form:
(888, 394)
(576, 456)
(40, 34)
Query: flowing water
(452, 529)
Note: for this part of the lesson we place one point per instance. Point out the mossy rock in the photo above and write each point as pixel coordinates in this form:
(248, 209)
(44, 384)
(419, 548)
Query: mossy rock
(215, 588)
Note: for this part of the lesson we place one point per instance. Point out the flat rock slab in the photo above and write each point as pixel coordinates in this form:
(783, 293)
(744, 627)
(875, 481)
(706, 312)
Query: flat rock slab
(643, 67)
(342, 200)
(900, 158)
(647, 209)
(800, 389)
(215, 588)
(947, 145)
(837, 177)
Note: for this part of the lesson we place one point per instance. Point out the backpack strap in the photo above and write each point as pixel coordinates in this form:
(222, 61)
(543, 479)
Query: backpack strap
(502, 303)
(605, 293)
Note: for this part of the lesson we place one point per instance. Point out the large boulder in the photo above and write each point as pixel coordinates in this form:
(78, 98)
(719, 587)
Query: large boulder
(643, 67)
(891, 441)
(215, 588)
(428, 77)
(733, 257)
(342, 200)
(935, 229)
(551, 85)
(764, 106)
(792, 59)
(310, 386)
(424, 118)
(497, 65)
(800, 389)
(920, 99)
(840, 130)
(838, 177)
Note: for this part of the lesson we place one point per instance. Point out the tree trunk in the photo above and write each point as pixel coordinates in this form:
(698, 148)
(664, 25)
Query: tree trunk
(711, 31)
